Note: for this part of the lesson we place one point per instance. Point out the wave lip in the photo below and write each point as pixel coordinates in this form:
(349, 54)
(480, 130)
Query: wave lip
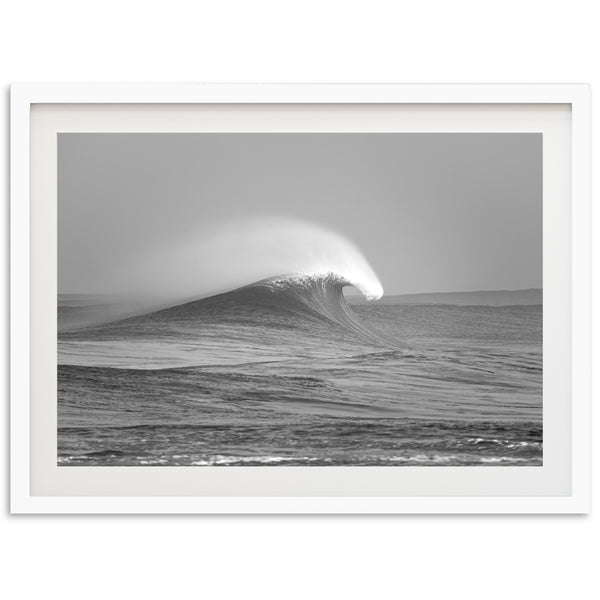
(370, 287)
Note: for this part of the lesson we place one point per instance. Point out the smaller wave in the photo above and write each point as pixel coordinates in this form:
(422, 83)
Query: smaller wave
(232, 460)
(219, 460)
(506, 443)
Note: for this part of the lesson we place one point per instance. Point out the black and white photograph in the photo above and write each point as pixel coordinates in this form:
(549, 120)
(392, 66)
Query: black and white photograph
(300, 299)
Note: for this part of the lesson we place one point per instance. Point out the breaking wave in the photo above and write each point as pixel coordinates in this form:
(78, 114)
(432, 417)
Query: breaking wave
(293, 301)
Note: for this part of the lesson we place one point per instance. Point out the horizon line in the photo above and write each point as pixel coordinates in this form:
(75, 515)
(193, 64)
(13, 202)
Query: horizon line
(358, 293)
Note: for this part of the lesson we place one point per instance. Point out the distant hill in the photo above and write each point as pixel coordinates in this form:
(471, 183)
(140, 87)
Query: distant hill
(481, 298)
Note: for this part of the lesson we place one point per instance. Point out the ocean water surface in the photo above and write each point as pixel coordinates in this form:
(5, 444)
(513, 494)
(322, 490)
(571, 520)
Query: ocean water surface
(286, 372)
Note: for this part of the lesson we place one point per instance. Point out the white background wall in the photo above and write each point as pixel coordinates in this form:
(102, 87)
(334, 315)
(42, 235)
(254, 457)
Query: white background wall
(298, 557)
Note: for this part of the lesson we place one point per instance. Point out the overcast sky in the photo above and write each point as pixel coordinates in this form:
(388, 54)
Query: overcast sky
(430, 212)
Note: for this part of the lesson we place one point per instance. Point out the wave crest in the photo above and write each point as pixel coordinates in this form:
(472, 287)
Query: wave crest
(321, 281)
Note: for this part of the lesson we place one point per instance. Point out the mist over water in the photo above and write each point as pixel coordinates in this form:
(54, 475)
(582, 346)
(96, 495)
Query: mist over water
(240, 253)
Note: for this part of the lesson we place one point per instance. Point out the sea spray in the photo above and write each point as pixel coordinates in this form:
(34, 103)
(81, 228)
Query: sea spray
(240, 253)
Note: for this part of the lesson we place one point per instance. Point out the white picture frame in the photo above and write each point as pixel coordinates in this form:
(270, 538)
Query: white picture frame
(78, 103)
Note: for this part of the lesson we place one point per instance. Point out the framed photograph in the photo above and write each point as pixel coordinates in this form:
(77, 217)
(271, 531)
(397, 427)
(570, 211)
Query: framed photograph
(300, 298)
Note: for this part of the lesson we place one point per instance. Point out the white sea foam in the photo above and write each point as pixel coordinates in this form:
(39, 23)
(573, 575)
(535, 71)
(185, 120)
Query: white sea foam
(501, 459)
(232, 460)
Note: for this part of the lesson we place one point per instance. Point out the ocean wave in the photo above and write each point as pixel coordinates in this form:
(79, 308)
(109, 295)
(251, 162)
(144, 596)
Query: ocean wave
(337, 459)
(287, 303)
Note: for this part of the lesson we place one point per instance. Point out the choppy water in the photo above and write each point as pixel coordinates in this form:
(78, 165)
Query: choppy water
(289, 374)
